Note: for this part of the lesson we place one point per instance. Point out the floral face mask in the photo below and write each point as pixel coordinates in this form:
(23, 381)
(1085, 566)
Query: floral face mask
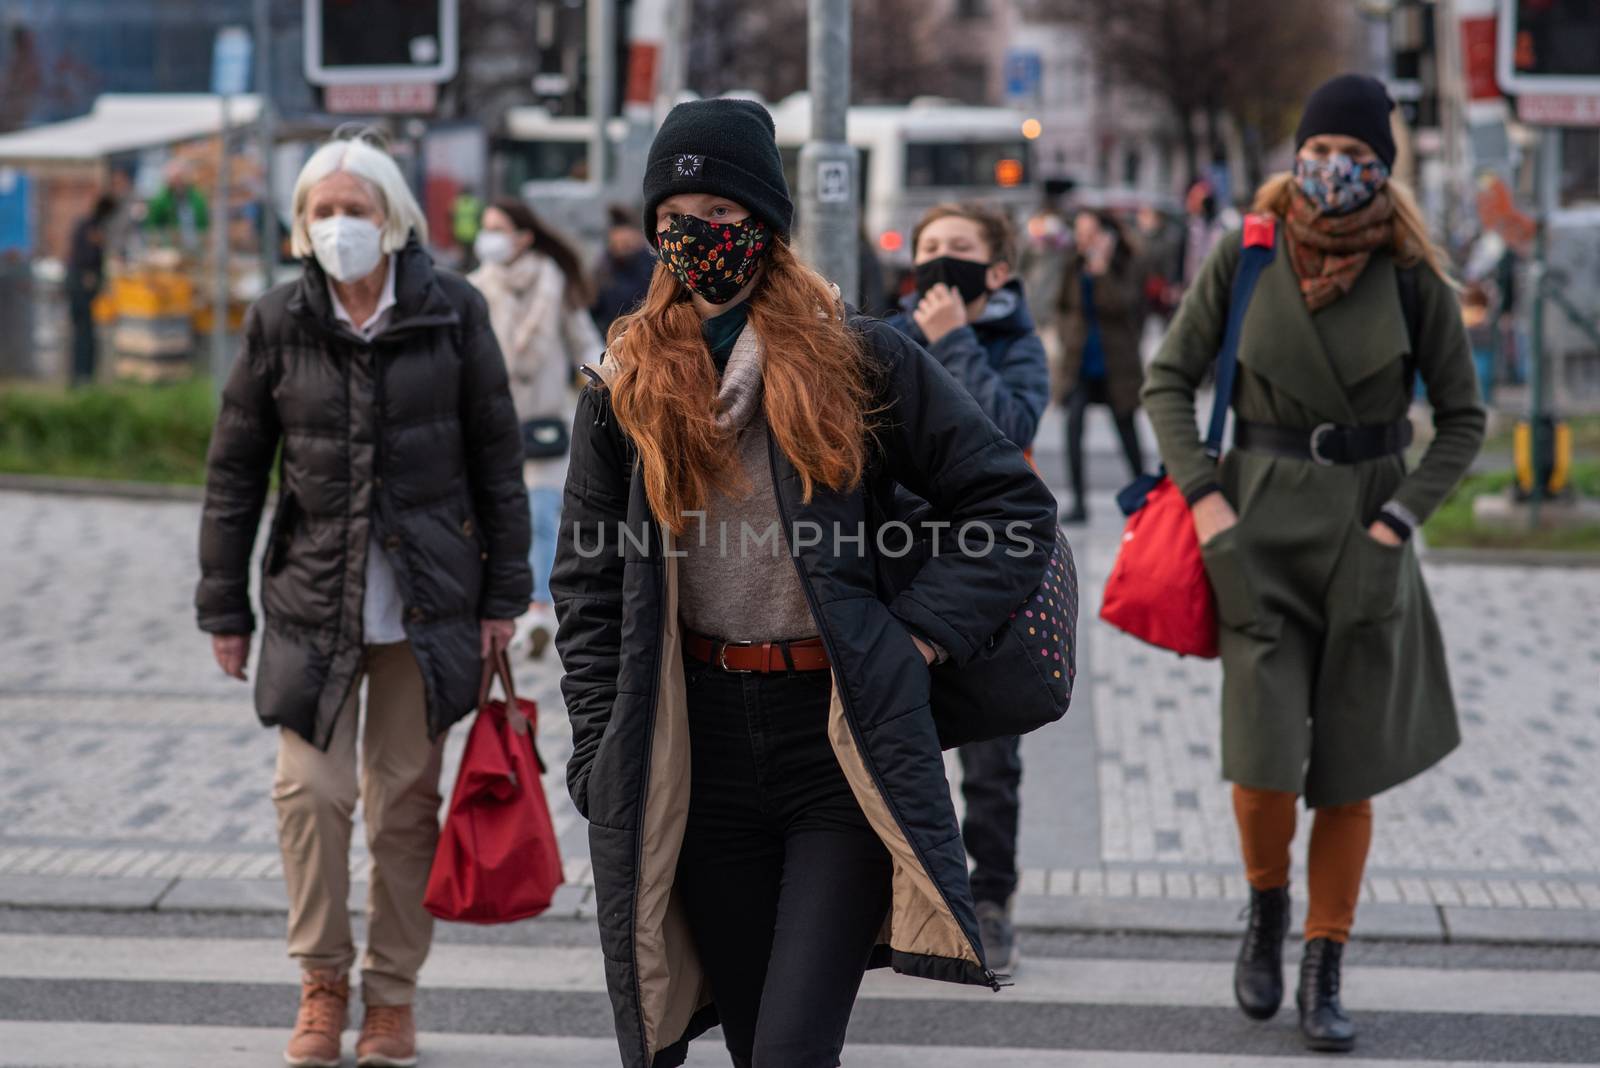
(714, 260)
(1338, 184)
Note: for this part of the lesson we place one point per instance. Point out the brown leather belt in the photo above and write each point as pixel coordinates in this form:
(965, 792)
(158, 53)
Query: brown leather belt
(807, 654)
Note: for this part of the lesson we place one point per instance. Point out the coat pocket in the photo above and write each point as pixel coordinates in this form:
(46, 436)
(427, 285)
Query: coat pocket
(1379, 578)
(1230, 580)
(283, 524)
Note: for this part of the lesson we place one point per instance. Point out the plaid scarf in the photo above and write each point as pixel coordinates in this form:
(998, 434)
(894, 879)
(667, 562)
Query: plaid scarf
(1329, 252)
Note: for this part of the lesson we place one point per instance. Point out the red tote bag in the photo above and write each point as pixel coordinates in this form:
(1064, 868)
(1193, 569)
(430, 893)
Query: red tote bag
(1158, 590)
(497, 860)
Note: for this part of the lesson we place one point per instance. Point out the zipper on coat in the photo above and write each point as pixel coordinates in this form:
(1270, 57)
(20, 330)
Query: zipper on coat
(644, 799)
(849, 714)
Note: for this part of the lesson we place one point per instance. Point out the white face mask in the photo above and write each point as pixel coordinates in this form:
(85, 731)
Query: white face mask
(348, 248)
(493, 246)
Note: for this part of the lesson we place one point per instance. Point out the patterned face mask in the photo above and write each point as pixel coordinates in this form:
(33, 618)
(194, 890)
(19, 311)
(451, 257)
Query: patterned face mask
(712, 259)
(1338, 184)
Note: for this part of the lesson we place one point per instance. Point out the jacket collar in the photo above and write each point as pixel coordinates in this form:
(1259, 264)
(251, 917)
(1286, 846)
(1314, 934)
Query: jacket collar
(1294, 359)
(419, 301)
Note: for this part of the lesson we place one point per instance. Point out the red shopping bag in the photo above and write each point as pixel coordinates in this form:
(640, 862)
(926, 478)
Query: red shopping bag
(1158, 589)
(497, 860)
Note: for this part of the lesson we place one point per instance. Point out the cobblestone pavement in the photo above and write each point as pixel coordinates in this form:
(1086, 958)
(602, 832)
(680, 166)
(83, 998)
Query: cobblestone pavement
(125, 755)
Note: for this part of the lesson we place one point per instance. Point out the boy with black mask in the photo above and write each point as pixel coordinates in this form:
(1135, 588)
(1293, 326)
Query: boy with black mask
(971, 314)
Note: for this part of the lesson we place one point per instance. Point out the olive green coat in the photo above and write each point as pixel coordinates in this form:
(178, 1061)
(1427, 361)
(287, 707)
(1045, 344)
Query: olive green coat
(1334, 676)
(1119, 308)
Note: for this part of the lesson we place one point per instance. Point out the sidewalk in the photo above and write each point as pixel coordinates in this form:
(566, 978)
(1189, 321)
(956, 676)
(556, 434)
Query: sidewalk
(135, 777)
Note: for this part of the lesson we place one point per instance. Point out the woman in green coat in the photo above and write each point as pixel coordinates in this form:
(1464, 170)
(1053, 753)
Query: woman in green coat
(1335, 686)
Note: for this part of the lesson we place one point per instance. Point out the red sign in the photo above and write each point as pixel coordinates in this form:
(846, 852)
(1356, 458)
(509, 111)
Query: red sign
(1558, 110)
(1478, 57)
(419, 99)
(644, 59)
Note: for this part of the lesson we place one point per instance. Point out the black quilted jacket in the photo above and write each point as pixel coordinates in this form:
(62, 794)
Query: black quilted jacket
(412, 434)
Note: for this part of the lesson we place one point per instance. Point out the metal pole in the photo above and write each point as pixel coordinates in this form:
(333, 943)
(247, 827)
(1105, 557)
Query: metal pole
(1547, 178)
(266, 133)
(602, 86)
(828, 232)
(219, 252)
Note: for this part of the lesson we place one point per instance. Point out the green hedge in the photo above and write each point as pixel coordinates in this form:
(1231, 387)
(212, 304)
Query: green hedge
(127, 433)
(1453, 526)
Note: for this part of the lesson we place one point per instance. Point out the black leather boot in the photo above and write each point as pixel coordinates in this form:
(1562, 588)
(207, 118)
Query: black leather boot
(1258, 974)
(1322, 1018)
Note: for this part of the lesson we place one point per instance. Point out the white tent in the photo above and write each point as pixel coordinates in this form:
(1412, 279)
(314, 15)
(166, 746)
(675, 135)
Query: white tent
(126, 122)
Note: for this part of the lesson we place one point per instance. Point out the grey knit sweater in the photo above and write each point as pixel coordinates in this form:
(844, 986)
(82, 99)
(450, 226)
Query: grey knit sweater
(737, 580)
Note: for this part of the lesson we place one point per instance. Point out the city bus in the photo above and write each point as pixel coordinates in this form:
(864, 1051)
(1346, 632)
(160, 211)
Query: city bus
(917, 155)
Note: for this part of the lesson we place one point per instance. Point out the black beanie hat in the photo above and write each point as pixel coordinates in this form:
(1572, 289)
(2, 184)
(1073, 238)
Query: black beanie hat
(1352, 105)
(725, 147)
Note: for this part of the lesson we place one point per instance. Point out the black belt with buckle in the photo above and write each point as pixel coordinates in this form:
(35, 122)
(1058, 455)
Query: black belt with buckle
(1328, 444)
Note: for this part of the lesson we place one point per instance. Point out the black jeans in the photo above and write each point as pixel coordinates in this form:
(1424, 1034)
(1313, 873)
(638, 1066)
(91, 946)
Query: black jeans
(991, 785)
(1089, 392)
(81, 306)
(785, 884)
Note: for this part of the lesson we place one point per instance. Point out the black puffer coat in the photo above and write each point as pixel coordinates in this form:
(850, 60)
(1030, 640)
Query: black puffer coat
(412, 432)
(619, 640)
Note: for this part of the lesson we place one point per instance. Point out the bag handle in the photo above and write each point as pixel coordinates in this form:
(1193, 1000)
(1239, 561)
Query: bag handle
(1260, 240)
(499, 666)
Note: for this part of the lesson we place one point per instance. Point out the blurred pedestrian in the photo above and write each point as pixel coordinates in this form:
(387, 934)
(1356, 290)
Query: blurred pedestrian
(539, 306)
(623, 275)
(1101, 308)
(1203, 228)
(872, 291)
(1161, 256)
(398, 553)
(1335, 686)
(751, 737)
(86, 270)
(972, 316)
(178, 213)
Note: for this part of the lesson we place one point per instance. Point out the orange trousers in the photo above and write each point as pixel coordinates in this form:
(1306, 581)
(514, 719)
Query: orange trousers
(1340, 837)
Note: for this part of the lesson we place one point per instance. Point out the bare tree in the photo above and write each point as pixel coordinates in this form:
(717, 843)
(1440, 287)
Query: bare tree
(1249, 60)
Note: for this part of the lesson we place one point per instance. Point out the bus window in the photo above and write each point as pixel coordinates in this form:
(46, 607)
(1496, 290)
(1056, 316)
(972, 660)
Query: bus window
(972, 163)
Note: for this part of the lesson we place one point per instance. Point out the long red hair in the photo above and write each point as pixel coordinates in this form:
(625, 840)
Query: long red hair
(815, 388)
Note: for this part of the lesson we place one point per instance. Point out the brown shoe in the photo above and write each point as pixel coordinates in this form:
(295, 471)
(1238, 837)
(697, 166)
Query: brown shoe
(388, 1038)
(324, 1003)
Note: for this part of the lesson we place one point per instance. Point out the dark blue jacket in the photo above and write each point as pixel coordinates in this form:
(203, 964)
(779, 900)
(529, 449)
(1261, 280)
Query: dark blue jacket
(999, 359)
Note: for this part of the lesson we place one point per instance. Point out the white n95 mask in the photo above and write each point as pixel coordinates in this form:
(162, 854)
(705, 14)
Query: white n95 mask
(348, 248)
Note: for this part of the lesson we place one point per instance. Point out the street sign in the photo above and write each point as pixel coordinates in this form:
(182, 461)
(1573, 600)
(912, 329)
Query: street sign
(1551, 109)
(1549, 46)
(381, 42)
(230, 62)
(1024, 71)
(833, 182)
(402, 99)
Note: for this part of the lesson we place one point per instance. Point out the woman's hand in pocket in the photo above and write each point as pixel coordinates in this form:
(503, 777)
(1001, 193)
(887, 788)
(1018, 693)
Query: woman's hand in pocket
(1212, 515)
(928, 655)
(1384, 535)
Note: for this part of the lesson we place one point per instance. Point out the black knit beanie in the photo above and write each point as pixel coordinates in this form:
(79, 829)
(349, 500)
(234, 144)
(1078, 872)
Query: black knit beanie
(1352, 105)
(724, 147)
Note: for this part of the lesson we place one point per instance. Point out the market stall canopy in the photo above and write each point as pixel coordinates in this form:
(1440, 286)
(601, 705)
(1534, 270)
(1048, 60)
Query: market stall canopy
(127, 122)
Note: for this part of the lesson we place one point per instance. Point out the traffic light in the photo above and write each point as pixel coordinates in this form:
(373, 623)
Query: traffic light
(368, 42)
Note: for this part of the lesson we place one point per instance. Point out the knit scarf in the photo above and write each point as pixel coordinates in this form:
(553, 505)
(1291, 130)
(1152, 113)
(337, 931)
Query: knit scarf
(1329, 252)
(739, 395)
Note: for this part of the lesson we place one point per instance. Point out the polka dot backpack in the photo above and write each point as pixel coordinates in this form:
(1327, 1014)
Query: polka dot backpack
(1023, 677)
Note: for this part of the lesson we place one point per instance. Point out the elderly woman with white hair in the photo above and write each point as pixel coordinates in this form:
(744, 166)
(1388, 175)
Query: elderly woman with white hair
(398, 554)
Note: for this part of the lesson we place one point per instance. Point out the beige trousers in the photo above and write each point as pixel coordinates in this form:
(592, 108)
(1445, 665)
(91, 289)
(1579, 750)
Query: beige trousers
(315, 794)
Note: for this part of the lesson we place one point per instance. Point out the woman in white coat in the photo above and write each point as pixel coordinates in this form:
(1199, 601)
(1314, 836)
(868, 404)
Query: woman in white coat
(539, 308)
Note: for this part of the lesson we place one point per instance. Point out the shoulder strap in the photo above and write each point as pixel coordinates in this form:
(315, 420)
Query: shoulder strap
(1260, 244)
(1410, 307)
